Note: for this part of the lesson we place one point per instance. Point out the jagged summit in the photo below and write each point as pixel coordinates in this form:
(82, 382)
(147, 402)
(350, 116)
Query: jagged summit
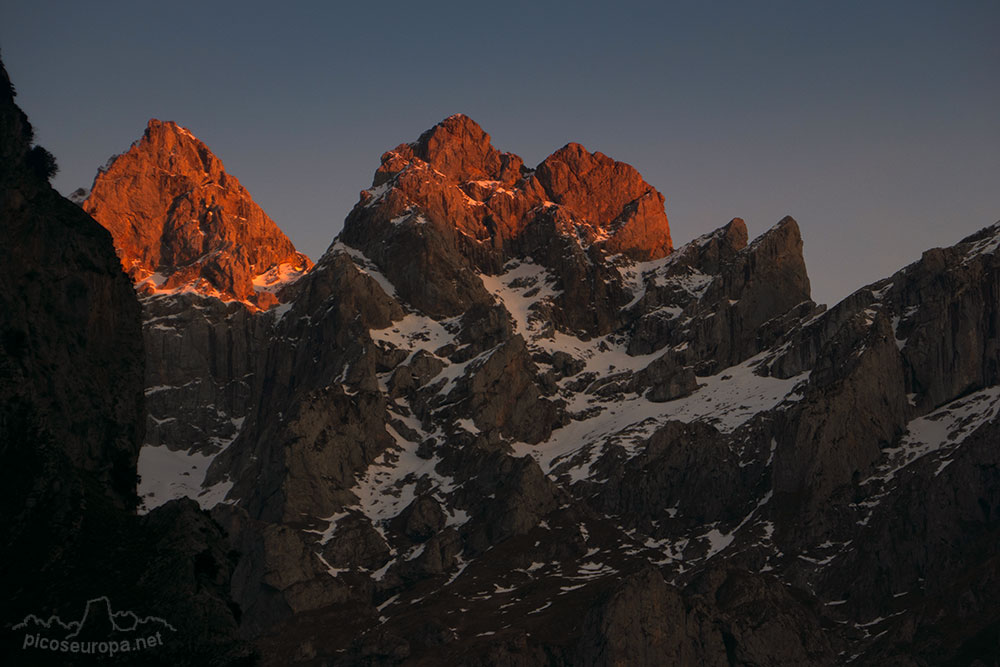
(453, 175)
(450, 206)
(460, 148)
(180, 222)
(612, 196)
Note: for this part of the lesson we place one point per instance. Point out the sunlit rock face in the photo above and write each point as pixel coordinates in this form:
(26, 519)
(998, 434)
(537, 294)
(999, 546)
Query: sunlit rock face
(181, 222)
(453, 174)
(468, 207)
(205, 260)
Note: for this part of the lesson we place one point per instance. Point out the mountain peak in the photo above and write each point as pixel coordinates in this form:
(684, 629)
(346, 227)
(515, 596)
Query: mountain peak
(452, 175)
(169, 130)
(157, 125)
(458, 149)
(180, 222)
(611, 195)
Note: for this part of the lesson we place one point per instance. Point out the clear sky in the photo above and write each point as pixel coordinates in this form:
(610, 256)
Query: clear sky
(875, 124)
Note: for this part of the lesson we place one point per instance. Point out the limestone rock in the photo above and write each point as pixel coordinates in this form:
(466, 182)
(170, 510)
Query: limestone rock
(178, 218)
(612, 196)
(278, 573)
(356, 543)
(501, 394)
(422, 519)
(450, 205)
(645, 622)
(855, 406)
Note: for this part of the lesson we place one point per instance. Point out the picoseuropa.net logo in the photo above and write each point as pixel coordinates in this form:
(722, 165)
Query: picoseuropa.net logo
(101, 631)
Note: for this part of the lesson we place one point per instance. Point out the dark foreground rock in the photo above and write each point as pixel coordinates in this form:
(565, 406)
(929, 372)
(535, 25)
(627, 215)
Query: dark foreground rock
(71, 421)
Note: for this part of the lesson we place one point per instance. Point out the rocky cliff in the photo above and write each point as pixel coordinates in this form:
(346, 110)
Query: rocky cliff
(504, 421)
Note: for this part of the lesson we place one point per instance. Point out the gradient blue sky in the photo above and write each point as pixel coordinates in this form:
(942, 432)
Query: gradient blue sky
(875, 124)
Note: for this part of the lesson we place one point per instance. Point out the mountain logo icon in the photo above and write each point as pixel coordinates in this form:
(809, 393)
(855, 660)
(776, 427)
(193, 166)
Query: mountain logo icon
(100, 631)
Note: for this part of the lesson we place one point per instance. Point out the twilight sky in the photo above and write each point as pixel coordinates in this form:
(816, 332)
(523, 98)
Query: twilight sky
(875, 124)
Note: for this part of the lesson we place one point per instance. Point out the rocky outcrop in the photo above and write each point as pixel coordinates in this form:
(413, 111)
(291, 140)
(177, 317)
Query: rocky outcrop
(500, 393)
(855, 405)
(322, 445)
(452, 173)
(190, 558)
(871, 358)
(458, 148)
(727, 292)
(612, 197)
(278, 573)
(313, 427)
(70, 371)
(948, 315)
(645, 622)
(179, 220)
(725, 618)
(678, 472)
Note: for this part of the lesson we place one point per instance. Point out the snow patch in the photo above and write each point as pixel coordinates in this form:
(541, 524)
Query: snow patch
(278, 276)
(725, 400)
(166, 474)
(941, 430)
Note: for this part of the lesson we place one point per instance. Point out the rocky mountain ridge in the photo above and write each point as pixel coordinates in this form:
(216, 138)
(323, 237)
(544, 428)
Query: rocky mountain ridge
(503, 421)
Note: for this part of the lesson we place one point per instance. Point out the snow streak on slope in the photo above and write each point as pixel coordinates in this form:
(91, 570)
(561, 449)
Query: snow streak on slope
(153, 286)
(988, 244)
(417, 332)
(522, 285)
(725, 400)
(389, 484)
(277, 277)
(935, 437)
(525, 286)
(942, 431)
(365, 265)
